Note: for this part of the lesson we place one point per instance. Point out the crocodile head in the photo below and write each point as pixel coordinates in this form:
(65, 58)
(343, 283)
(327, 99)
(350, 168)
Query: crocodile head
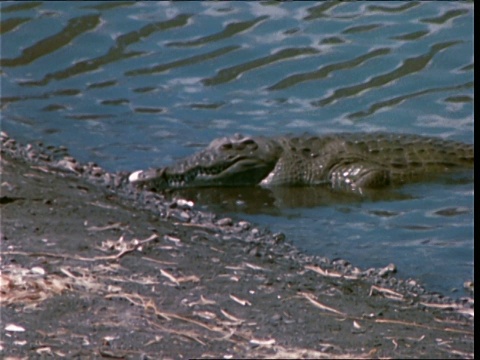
(230, 161)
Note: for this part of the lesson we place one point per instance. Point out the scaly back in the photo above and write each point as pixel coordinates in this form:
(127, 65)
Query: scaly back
(312, 159)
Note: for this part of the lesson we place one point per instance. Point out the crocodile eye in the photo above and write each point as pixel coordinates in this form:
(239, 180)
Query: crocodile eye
(227, 146)
(250, 143)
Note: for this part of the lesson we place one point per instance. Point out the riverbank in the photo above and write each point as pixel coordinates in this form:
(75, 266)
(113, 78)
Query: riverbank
(93, 267)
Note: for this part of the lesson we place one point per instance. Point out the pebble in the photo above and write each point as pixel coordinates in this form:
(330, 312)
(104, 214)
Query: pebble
(341, 262)
(184, 204)
(255, 232)
(389, 269)
(225, 222)
(275, 319)
(244, 225)
(68, 165)
(185, 216)
(278, 237)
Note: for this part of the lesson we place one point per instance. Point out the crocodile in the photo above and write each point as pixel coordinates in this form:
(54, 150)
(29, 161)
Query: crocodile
(344, 160)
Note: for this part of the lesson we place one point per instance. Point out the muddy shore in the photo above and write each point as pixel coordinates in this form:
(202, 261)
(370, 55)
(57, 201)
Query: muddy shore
(92, 267)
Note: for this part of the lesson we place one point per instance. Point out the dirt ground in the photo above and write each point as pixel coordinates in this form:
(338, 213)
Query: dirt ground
(92, 268)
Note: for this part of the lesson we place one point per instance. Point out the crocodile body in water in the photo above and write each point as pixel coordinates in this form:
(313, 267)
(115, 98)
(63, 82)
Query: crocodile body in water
(346, 160)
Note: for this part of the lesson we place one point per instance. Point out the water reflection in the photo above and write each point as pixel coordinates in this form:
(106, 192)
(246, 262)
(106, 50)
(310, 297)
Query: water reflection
(279, 200)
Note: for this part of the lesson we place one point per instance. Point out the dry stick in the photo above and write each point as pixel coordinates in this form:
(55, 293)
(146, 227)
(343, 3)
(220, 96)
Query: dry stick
(168, 316)
(383, 321)
(143, 303)
(462, 354)
(400, 322)
(395, 295)
(96, 258)
(117, 225)
(165, 315)
(319, 305)
(63, 256)
(187, 334)
(169, 276)
(331, 274)
(443, 306)
(161, 262)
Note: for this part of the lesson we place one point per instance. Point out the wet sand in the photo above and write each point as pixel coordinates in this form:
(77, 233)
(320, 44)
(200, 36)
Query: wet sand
(92, 267)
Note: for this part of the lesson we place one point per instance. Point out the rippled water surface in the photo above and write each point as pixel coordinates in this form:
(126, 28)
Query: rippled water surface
(134, 85)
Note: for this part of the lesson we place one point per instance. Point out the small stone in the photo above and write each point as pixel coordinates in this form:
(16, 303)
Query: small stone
(225, 222)
(184, 204)
(278, 238)
(245, 225)
(37, 270)
(117, 181)
(412, 282)
(97, 171)
(341, 262)
(14, 328)
(185, 215)
(389, 269)
(68, 165)
(275, 319)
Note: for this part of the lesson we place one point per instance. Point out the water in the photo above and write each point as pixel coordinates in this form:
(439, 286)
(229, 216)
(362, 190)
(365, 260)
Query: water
(134, 85)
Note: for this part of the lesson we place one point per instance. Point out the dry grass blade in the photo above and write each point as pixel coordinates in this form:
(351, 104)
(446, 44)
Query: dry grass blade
(148, 303)
(20, 285)
(202, 301)
(408, 323)
(140, 301)
(132, 247)
(116, 225)
(310, 298)
(299, 353)
(331, 274)
(169, 276)
(161, 262)
(188, 334)
(260, 342)
(179, 280)
(387, 292)
(240, 301)
(459, 308)
(231, 317)
(254, 267)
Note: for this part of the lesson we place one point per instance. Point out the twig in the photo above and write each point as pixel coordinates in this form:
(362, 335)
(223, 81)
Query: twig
(400, 322)
(319, 305)
(331, 274)
(95, 258)
(394, 295)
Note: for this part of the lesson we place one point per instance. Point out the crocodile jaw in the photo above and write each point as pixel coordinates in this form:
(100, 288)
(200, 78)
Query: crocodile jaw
(233, 161)
(240, 172)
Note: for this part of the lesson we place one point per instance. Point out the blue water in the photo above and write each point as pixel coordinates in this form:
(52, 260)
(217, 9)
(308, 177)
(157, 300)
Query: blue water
(137, 85)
